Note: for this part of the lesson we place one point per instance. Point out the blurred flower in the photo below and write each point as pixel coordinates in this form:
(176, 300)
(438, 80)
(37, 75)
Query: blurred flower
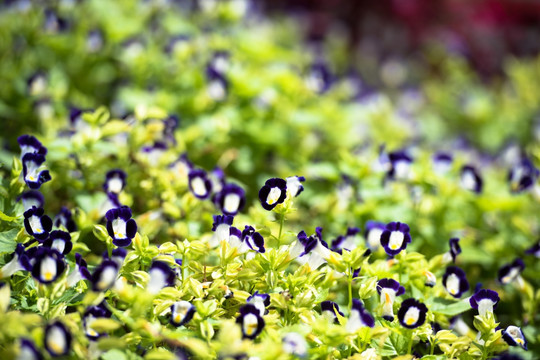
(442, 162)
(294, 185)
(32, 198)
(117, 255)
(514, 337)
(412, 313)
(374, 230)
(454, 251)
(220, 227)
(181, 313)
(295, 344)
(153, 153)
(48, 265)
(161, 275)
(431, 279)
(312, 250)
(30, 145)
(220, 61)
(64, 218)
(60, 241)
(104, 275)
(400, 166)
(250, 321)
(534, 250)
(91, 314)
(37, 85)
(115, 181)
(511, 272)
(231, 199)
(37, 224)
(522, 176)
(33, 176)
(81, 271)
(177, 44)
(388, 289)
(318, 78)
(28, 351)
(358, 318)
(18, 262)
(273, 193)
(470, 179)
(217, 179)
(260, 301)
(459, 326)
(94, 41)
(57, 339)
(120, 226)
(347, 241)
(199, 183)
(217, 85)
(329, 309)
(395, 238)
(455, 281)
(484, 301)
(181, 167)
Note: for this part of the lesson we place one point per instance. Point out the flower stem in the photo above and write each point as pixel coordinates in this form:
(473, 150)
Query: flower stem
(409, 349)
(281, 220)
(350, 288)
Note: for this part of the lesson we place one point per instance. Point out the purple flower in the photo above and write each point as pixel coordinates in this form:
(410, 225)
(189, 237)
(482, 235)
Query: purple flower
(359, 317)
(37, 224)
(161, 275)
(65, 218)
(388, 289)
(220, 227)
(30, 145)
(312, 250)
(484, 301)
(60, 241)
(231, 199)
(347, 241)
(514, 337)
(80, 272)
(412, 313)
(374, 230)
(48, 265)
(57, 339)
(33, 176)
(253, 239)
(329, 309)
(454, 251)
(199, 183)
(470, 179)
(534, 250)
(250, 321)
(181, 167)
(115, 181)
(32, 198)
(511, 272)
(522, 176)
(455, 281)
(120, 226)
(395, 238)
(273, 193)
(181, 313)
(260, 301)
(19, 261)
(400, 168)
(218, 85)
(318, 79)
(28, 351)
(91, 314)
(442, 162)
(294, 185)
(104, 275)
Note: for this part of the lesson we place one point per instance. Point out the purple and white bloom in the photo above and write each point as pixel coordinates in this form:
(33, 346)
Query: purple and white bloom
(388, 289)
(400, 166)
(347, 241)
(181, 167)
(33, 174)
(534, 250)
(459, 326)
(37, 83)
(329, 309)
(81, 271)
(412, 313)
(273, 193)
(28, 351)
(115, 181)
(395, 238)
(295, 344)
(511, 272)
(65, 218)
(199, 183)
(514, 336)
(120, 226)
(431, 279)
(37, 224)
(218, 85)
(312, 250)
(318, 78)
(522, 176)
(442, 162)
(94, 41)
(374, 230)
(112, 202)
(32, 198)
(161, 275)
(217, 179)
(236, 240)
(454, 251)
(455, 281)
(57, 339)
(30, 145)
(253, 239)
(221, 228)
(470, 179)
(104, 275)
(359, 317)
(48, 265)
(251, 321)
(181, 313)
(117, 255)
(220, 61)
(345, 192)
(177, 44)
(294, 185)
(154, 152)
(260, 301)
(19, 262)
(231, 199)
(484, 301)
(60, 241)
(91, 314)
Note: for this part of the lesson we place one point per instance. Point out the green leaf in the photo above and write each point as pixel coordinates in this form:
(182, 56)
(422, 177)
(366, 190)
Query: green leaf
(394, 345)
(114, 354)
(7, 241)
(448, 307)
(7, 218)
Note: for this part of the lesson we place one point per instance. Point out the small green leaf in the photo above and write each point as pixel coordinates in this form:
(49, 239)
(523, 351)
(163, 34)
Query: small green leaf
(7, 241)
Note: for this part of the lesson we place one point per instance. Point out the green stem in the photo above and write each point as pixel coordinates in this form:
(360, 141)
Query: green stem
(109, 247)
(409, 349)
(350, 288)
(281, 220)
